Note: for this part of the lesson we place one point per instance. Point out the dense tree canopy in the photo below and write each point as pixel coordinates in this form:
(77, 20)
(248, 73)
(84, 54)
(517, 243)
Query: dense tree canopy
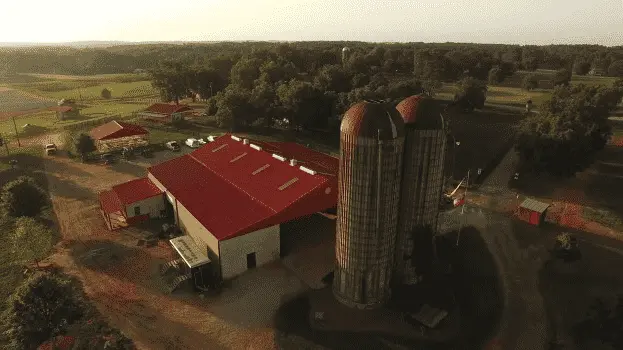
(616, 68)
(31, 240)
(471, 95)
(41, 308)
(570, 128)
(22, 197)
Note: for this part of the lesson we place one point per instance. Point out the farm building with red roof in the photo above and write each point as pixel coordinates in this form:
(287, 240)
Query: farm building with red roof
(231, 196)
(117, 135)
(166, 112)
(130, 202)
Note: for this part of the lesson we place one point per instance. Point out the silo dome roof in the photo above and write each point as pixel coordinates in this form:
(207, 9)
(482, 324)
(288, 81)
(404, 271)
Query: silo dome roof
(421, 112)
(366, 118)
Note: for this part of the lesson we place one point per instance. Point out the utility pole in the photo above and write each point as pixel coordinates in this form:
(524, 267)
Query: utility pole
(16, 134)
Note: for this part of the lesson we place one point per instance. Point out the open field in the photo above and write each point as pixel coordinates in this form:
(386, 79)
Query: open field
(14, 100)
(88, 90)
(482, 136)
(510, 93)
(100, 77)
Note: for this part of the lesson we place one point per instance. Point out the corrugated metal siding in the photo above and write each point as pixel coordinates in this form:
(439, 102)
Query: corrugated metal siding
(151, 206)
(264, 243)
(422, 184)
(197, 231)
(364, 254)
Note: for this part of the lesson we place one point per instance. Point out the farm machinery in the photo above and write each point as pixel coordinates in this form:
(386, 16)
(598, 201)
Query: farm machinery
(566, 248)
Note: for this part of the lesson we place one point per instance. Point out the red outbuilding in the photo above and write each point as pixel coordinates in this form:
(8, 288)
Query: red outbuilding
(117, 135)
(532, 211)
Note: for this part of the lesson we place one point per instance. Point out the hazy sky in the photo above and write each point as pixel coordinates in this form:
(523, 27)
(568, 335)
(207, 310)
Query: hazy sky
(481, 21)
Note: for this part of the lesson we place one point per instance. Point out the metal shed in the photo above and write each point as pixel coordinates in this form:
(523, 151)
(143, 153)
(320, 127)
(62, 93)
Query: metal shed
(532, 211)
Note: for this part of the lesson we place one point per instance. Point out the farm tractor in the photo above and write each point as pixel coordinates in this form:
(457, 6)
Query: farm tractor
(566, 248)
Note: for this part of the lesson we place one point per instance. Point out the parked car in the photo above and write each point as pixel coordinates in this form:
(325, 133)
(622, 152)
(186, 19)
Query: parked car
(172, 145)
(211, 138)
(108, 158)
(127, 153)
(146, 152)
(50, 148)
(201, 141)
(192, 143)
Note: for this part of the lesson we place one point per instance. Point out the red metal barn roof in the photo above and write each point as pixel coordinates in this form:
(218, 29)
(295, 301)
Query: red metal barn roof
(421, 112)
(233, 189)
(319, 161)
(109, 202)
(167, 108)
(115, 129)
(136, 190)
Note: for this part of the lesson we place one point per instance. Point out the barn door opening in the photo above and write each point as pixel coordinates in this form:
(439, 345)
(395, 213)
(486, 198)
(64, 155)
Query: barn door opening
(251, 261)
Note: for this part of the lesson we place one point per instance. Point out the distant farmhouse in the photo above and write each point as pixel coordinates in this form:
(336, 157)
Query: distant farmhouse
(117, 135)
(166, 112)
(597, 72)
(66, 108)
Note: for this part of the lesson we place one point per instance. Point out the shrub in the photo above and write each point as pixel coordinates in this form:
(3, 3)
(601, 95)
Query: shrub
(530, 82)
(106, 94)
(22, 197)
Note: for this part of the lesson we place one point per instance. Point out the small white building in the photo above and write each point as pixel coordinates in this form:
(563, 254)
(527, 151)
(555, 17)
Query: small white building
(131, 202)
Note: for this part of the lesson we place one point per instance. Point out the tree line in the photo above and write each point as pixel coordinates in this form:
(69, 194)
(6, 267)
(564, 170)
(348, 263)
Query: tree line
(441, 60)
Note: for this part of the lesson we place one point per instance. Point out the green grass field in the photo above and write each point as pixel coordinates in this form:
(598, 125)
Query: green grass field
(15, 100)
(88, 90)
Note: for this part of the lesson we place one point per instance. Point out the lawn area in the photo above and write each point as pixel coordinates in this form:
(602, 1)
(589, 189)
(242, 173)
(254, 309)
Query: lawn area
(99, 77)
(111, 108)
(88, 90)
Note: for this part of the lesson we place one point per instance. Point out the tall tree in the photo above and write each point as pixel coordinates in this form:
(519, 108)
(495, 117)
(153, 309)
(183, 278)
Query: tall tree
(616, 68)
(568, 131)
(31, 240)
(333, 78)
(245, 72)
(41, 308)
(562, 77)
(301, 102)
(85, 145)
(235, 108)
(471, 94)
(530, 82)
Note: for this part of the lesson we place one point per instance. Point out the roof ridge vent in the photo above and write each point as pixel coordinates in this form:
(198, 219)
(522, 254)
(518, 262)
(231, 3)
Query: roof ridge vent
(255, 147)
(245, 141)
(235, 138)
(293, 162)
(308, 170)
(283, 159)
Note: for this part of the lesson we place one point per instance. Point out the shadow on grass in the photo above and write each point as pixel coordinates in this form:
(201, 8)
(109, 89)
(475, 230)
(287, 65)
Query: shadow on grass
(68, 189)
(122, 166)
(567, 300)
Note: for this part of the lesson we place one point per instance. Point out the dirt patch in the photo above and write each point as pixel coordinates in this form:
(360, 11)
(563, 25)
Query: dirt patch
(127, 288)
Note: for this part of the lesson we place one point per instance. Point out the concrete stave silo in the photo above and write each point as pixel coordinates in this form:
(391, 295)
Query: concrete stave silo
(371, 150)
(421, 188)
